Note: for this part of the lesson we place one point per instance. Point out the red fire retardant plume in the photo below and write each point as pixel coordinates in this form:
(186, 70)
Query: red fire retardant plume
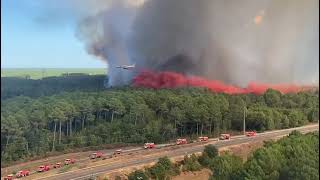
(157, 80)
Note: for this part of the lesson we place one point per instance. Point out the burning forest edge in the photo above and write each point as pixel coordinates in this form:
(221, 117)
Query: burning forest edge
(157, 80)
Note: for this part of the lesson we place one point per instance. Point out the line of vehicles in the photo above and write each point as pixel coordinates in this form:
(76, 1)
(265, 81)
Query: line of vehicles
(96, 155)
(19, 174)
(42, 168)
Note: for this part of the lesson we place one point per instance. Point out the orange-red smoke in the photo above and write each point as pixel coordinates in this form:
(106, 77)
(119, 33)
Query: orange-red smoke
(157, 80)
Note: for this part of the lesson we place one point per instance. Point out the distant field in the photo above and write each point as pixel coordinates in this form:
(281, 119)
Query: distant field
(38, 73)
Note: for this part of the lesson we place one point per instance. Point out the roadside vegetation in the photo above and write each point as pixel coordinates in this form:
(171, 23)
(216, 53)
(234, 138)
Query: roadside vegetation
(66, 168)
(163, 169)
(56, 121)
(295, 157)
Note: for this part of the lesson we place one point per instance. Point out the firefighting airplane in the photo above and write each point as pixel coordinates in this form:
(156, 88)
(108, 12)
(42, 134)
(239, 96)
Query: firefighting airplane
(127, 67)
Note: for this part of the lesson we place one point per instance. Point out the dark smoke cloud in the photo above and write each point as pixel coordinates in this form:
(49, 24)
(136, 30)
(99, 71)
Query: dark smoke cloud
(234, 41)
(105, 36)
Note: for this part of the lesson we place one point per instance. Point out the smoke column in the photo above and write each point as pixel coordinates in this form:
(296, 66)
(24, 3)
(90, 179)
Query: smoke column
(235, 42)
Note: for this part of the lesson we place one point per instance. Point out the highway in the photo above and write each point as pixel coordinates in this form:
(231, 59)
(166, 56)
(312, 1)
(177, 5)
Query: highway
(85, 173)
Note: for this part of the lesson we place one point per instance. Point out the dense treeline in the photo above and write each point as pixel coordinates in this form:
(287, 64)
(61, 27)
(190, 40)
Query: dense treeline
(295, 157)
(15, 86)
(33, 127)
(292, 158)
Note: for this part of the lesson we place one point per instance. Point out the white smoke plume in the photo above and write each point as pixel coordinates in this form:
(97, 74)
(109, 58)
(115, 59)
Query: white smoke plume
(235, 41)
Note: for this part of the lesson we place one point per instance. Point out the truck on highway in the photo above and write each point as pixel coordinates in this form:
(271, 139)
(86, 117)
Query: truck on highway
(204, 138)
(8, 177)
(22, 173)
(251, 133)
(57, 165)
(149, 145)
(43, 168)
(119, 151)
(69, 161)
(181, 141)
(96, 155)
(224, 137)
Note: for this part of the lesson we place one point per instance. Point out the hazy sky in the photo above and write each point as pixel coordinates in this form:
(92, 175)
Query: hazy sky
(35, 35)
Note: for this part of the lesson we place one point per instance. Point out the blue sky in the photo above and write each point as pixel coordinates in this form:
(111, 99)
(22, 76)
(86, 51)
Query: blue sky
(38, 36)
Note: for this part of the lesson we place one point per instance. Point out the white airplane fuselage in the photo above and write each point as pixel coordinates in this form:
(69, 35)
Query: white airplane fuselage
(126, 67)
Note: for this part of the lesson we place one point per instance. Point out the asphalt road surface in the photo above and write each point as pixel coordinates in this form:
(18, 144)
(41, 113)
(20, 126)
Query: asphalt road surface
(85, 173)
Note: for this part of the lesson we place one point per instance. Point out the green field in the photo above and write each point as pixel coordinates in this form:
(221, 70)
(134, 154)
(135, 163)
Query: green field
(38, 73)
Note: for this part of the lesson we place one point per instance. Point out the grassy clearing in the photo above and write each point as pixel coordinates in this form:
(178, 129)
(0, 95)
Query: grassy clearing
(38, 73)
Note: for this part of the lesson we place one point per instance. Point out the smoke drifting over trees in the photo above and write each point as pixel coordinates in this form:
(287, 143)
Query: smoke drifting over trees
(236, 42)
